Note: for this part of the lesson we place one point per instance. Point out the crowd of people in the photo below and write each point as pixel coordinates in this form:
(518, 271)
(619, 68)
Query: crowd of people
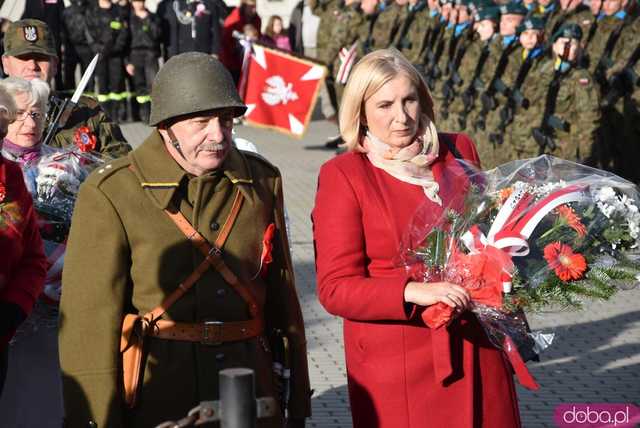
(153, 229)
(521, 78)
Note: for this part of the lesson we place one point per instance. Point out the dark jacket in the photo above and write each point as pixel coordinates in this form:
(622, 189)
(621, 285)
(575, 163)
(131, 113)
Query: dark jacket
(108, 29)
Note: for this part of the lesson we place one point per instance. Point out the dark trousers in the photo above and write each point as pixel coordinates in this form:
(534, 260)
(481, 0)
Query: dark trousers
(74, 55)
(146, 64)
(110, 74)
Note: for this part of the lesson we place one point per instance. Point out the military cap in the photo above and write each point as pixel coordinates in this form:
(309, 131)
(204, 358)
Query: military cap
(492, 13)
(192, 82)
(443, 2)
(462, 2)
(29, 36)
(513, 9)
(570, 31)
(532, 23)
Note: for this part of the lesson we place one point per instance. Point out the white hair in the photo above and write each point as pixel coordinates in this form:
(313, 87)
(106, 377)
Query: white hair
(37, 90)
(7, 105)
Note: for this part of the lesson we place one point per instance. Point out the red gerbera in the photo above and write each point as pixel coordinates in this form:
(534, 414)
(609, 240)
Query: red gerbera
(3, 192)
(567, 264)
(573, 221)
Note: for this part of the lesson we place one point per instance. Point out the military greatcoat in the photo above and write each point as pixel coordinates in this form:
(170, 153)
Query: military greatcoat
(125, 256)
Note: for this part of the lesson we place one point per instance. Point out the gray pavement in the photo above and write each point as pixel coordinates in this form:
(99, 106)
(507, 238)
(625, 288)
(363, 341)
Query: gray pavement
(595, 359)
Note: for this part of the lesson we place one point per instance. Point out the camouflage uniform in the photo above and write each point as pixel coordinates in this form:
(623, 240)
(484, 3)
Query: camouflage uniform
(30, 36)
(386, 26)
(613, 116)
(345, 31)
(417, 26)
(577, 103)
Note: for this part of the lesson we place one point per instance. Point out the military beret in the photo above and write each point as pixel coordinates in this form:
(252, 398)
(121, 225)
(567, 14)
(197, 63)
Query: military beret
(491, 13)
(532, 23)
(513, 9)
(443, 2)
(462, 2)
(570, 31)
(29, 36)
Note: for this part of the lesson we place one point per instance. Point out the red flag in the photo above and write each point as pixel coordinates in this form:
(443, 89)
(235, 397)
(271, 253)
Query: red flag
(281, 90)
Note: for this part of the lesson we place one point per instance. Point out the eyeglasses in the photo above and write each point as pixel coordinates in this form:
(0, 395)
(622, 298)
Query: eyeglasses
(21, 115)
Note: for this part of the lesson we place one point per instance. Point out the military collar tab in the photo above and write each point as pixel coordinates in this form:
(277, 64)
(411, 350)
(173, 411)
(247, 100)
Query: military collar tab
(236, 169)
(159, 175)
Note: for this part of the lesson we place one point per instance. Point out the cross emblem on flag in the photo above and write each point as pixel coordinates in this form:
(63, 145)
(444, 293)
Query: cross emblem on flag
(281, 90)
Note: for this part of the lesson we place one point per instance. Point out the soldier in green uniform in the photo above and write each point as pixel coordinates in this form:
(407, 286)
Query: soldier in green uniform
(420, 25)
(387, 21)
(569, 11)
(520, 75)
(346, 29)
(29, 53)
(564, 113)
(465, 104)
(497, 77)
(150, 219)
(615, 36)
(461, 36)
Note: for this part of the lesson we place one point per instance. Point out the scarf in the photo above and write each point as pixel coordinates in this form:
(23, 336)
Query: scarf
(410, 164)
(20, 154)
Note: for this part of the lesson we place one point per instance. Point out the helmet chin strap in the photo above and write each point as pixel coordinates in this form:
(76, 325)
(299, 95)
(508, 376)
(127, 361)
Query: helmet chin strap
(174, 142)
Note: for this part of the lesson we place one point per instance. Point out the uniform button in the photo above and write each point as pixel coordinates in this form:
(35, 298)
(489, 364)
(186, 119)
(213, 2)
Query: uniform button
(214, 226)
(221, 292)
(220, 357)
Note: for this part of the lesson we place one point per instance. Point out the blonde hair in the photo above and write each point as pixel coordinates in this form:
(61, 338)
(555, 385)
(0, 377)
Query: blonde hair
(36, 89)
(367, 77)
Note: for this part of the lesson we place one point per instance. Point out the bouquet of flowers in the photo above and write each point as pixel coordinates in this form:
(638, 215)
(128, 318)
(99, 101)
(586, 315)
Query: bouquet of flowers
(53, 179)
(529, 235)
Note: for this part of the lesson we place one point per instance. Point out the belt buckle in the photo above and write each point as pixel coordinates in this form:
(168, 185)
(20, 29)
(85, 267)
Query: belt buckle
(212, 333)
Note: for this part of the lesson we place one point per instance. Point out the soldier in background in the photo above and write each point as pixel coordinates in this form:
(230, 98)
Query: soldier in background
(465, 104)
(30, 54)
(564, 112)
(110, 33)
(389, 16)
(497, 78)
(418, 30)
(570, 11)
(144, 52)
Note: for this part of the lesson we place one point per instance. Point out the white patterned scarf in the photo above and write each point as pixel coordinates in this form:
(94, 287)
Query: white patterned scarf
(411, 164)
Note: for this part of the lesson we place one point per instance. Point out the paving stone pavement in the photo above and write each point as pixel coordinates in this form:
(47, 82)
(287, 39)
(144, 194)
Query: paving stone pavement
(595, 358)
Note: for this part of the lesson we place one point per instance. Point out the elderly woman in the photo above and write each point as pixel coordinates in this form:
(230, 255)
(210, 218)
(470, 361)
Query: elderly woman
(23, 265)
(34, 371)
(400, 372)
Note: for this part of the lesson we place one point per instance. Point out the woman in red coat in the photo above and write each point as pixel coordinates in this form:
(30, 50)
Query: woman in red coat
(23, 265)
(400, 372)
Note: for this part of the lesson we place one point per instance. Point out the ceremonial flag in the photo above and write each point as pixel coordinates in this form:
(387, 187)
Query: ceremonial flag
(280, 90)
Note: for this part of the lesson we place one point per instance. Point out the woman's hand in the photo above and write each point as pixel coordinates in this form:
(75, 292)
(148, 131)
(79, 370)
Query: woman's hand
(427, 294)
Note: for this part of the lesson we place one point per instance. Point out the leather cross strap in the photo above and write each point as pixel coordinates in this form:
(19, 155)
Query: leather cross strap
(213, 253)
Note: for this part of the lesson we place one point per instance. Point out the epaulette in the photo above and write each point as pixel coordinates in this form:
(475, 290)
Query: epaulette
(105, 171)
(253, 155)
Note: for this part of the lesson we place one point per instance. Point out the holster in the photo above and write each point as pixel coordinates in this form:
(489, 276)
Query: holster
(132, 340)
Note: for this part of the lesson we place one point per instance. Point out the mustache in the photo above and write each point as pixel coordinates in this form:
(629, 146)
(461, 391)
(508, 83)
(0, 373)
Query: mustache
(214, 147)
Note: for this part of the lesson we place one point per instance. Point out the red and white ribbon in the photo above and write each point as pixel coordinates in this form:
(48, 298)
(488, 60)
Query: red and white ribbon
(517, 219)
(347, 59)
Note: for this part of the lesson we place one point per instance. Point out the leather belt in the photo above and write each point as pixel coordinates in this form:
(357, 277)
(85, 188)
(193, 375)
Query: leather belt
(208, 332)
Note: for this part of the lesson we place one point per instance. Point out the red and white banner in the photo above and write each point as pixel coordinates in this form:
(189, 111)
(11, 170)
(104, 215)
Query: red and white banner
(280, 90)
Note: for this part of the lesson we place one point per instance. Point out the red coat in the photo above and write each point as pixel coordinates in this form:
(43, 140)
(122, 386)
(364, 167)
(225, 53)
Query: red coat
(23, 265)
(400, 373)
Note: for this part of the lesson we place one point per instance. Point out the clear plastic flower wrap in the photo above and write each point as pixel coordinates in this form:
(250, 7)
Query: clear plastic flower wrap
(532, 234)
(53, 179)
